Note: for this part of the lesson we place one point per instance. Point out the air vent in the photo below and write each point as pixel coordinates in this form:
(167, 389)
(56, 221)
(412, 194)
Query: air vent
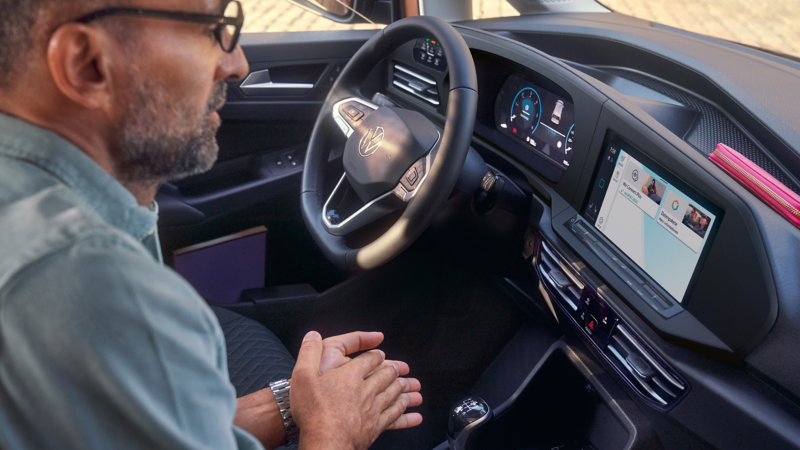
(570, 286)
(642, 369)
(560, 277)
(419, 85)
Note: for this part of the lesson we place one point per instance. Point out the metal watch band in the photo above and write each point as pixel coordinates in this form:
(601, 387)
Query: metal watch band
(281, 390)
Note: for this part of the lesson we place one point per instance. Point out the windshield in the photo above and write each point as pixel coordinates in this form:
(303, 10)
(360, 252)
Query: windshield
(772, 25)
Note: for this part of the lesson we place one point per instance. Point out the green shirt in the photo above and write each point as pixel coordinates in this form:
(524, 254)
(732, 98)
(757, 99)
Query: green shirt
(101, 346)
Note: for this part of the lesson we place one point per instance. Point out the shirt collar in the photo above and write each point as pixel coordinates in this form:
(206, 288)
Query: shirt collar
(103, 194)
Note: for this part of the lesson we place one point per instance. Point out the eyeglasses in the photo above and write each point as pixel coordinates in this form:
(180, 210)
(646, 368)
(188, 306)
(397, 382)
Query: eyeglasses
(229, 24)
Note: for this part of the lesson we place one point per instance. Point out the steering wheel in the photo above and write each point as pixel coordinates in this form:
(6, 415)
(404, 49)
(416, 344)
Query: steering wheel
(394, 158)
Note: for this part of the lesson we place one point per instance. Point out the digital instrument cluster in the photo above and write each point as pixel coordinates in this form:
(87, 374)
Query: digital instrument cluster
(536, 118)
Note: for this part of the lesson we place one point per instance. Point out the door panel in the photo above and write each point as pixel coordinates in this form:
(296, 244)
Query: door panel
(263, 138)
(265, 130)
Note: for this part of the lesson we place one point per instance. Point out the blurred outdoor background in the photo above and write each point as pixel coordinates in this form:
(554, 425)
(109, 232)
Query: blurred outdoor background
(772, 25)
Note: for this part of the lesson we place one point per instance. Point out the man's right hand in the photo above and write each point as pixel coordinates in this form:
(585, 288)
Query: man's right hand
(350, 406)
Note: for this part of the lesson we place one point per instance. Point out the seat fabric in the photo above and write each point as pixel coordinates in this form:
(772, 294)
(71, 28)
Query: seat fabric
(256, 357)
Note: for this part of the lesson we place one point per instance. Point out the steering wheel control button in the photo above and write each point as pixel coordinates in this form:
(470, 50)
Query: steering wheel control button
(353, 112)
(413, 176)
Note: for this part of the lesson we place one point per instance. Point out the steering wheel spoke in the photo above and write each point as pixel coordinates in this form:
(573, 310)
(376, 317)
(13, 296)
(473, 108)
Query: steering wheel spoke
(344, 212)
(350, 112)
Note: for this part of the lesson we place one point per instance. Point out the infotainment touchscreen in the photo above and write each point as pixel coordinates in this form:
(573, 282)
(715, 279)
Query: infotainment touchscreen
(657, 220)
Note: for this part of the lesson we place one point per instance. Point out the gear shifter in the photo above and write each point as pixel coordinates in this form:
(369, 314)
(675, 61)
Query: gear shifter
(466, 416)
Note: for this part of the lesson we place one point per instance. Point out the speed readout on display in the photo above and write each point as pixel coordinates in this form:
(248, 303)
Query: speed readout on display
(538, 119)
(526, 112)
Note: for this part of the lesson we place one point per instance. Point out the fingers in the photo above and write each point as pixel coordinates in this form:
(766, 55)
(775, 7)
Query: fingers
(401, 388)
(413, 386)
(402, 368)
(384, 383)
(309, 357)
(412, 399)
(355, 342)
(406, 421)
(392, 391)
(391, 414)
(366, 362)
(397, 410)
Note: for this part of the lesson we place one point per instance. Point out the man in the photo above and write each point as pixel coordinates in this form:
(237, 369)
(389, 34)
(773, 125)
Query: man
(100, 345)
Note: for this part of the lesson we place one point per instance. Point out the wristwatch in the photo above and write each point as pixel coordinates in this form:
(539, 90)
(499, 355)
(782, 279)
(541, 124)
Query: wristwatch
(281, 390)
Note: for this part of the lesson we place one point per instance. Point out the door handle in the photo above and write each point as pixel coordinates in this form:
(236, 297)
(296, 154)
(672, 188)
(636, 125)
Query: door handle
(259, 83)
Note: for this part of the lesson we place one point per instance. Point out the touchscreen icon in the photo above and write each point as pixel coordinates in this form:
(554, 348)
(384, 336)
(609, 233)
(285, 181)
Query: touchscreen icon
(635, 175)
(675, 205)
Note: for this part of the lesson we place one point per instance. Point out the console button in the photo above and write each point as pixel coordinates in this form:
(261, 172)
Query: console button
(592, 324)
(630, 273)
(655, 296)
(604, 251)
(588, 235)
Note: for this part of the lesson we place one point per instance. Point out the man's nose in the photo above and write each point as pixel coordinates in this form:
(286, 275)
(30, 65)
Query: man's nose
(234, 66)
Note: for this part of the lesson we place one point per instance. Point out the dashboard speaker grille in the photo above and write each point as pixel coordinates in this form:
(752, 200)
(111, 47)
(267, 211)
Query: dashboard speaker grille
(415, 83)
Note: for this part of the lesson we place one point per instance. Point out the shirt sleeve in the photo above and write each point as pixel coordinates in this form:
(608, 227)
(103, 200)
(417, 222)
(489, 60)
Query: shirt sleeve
(103, 348)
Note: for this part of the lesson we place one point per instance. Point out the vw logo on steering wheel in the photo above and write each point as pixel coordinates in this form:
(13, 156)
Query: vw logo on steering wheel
(371, 141)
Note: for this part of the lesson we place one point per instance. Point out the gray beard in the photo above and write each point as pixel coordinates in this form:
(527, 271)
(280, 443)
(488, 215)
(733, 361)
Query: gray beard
(162, 139)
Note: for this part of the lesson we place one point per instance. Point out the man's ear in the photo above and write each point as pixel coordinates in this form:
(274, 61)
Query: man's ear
(79, 65)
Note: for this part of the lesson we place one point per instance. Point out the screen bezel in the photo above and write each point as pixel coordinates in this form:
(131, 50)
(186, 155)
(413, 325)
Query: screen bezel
(678, 183)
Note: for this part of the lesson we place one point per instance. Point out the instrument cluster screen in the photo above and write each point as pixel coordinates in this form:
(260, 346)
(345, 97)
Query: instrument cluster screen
(538, 119)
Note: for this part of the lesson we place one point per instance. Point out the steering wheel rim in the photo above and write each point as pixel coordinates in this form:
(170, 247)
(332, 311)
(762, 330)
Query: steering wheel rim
(442, 174)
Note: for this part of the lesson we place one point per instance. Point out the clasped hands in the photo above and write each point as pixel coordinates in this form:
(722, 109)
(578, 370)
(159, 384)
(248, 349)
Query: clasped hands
(338, 402)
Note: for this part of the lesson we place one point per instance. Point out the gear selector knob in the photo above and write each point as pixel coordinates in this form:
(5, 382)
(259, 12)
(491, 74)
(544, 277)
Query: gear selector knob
(466, 416)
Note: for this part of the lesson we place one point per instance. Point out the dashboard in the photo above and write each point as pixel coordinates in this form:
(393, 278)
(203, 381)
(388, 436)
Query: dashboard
(642, 244)
(646, 212)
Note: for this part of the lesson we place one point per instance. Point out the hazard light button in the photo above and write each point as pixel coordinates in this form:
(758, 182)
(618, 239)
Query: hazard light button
(591, 324)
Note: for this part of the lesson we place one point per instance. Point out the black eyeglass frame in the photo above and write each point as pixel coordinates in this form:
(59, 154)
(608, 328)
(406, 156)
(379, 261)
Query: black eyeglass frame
(220, 20)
